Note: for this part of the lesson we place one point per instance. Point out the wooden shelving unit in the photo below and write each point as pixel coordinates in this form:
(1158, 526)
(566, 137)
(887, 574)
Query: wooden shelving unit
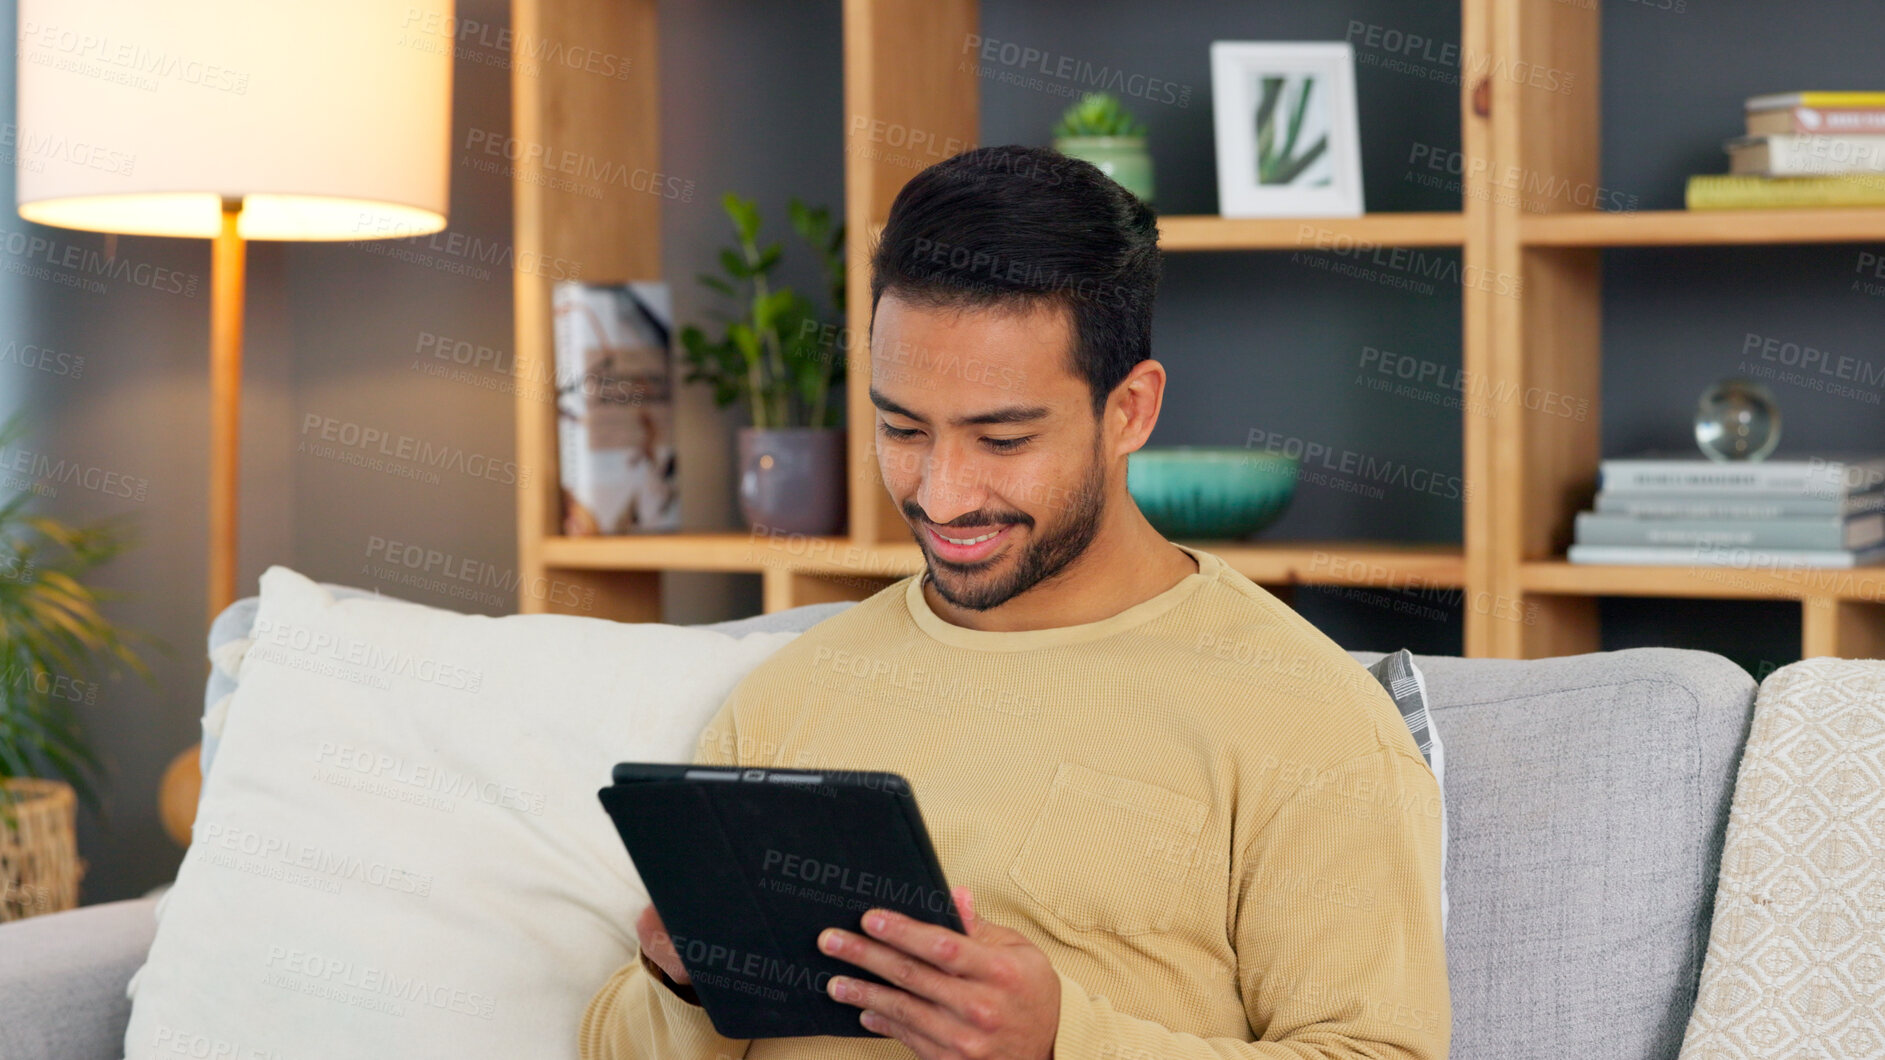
(1541, 333)
(1542, 469)
(1182, 232)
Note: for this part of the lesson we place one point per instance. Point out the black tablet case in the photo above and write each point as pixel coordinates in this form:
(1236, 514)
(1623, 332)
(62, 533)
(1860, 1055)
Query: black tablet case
(712, 845)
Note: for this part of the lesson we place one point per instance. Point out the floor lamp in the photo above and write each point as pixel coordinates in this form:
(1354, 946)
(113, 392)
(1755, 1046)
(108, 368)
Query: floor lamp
(233, 121)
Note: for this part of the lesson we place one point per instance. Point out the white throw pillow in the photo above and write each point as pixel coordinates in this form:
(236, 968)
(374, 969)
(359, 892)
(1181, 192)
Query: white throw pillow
(400, 852)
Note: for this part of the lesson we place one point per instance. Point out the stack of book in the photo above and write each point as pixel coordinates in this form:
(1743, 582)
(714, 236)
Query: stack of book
(1676, 508)
(1802, 149)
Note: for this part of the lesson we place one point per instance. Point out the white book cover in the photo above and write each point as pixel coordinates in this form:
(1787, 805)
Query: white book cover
(1723, 556)
(1833, 531)
(1806, 155)
(1728, 504)
(615, 408)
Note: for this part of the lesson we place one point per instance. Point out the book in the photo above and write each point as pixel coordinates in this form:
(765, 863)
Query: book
(1827, 474)
(1787, 100)
(1805, 156)
(1856, 532)
(1817, 120)
(615, 408)
(1746, 504)
(1723, 555)
(1712, 191)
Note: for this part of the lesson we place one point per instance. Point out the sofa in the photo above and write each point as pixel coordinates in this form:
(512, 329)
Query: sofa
(1589, 797)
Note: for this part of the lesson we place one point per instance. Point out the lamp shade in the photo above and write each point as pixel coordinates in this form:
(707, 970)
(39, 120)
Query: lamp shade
(328, 120)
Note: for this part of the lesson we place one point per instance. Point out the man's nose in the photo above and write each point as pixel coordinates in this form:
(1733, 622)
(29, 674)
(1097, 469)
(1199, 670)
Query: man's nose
(953, 485)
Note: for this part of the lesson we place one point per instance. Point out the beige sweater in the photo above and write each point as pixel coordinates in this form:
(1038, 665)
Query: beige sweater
(1210, 818)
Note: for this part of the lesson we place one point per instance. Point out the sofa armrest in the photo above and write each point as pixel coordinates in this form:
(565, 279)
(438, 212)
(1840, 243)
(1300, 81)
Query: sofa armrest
(63, 976)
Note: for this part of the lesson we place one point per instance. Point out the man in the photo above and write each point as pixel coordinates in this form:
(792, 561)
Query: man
(1181, 821)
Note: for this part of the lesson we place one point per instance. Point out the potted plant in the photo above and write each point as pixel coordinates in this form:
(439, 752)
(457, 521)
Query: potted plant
(785, 359)
(1099, 130)
(52, 638)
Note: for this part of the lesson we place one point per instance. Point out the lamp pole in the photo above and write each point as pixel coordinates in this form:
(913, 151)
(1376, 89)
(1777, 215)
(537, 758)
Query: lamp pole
(227, 259)
(182, 780)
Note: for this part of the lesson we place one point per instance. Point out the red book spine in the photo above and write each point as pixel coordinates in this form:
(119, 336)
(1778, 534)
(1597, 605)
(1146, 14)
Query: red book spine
(1808, 121)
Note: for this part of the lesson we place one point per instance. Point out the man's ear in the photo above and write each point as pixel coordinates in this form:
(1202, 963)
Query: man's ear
(1132, 409)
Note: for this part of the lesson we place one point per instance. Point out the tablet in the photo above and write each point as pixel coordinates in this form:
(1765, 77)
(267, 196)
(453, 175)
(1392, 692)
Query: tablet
(747, 866)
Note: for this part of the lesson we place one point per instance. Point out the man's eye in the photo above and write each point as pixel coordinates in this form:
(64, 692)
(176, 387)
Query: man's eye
(1000, 445)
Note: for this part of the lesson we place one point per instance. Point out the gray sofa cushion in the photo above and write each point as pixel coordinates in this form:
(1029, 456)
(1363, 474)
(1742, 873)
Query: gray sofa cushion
(62, 980)
(1588, 798)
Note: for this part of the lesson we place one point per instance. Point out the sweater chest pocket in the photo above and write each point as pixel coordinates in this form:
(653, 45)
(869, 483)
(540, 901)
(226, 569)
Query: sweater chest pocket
(1109, 853)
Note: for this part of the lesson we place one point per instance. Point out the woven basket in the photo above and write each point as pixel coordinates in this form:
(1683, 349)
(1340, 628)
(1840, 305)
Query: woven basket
(39, 855)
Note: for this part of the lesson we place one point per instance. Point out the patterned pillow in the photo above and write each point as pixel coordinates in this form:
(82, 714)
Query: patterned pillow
(1795, 961)
(1403, 680)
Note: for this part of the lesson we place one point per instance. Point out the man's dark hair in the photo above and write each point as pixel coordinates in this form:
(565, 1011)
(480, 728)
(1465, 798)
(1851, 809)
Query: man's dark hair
(1016, 226)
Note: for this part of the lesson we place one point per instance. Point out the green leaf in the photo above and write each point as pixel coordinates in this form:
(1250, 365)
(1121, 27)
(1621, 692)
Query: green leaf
(765, 313)
(1296, 117)
(1098, 114)
(53, 629)
(1289, 171)
(746, 339)
(802, 220)
(745, 215)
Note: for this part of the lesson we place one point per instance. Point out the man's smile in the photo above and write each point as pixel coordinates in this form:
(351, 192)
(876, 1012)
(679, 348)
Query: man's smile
(966, 546)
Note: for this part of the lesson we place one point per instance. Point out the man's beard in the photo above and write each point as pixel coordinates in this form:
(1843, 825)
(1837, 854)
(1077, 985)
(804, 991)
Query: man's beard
(1043, 557)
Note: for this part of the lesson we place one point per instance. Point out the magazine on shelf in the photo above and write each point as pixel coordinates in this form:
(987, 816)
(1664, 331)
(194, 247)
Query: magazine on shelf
(1862, 531)
(1827, 474)
(1724, 555)
(615, 408)
(1732, 504)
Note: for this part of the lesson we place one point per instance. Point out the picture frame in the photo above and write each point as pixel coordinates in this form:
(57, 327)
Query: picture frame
(1287, 128)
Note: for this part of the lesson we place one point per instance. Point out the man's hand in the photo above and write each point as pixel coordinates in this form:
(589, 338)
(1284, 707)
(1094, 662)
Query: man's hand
(658, 946)
(987, 995)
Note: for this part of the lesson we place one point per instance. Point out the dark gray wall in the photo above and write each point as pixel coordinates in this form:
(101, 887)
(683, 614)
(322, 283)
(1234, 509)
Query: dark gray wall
(752, 101)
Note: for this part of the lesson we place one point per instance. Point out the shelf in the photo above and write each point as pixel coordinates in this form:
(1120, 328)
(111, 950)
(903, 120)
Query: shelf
(731, 551)
(1361, 563)
(1675, 228)
(1182, 233)
(1192, 232)
(1562, 577)
(1378, 564)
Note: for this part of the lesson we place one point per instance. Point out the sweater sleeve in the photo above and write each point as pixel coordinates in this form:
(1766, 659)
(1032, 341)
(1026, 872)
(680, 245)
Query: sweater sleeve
(1340, 952)
(637, 1015)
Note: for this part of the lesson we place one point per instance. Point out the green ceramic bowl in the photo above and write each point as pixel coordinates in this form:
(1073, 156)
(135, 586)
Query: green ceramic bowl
(1211, 491)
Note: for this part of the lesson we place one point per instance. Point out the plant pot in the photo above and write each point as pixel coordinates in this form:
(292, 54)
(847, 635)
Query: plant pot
(792, 479)
(1123, 158)
(39, 854)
